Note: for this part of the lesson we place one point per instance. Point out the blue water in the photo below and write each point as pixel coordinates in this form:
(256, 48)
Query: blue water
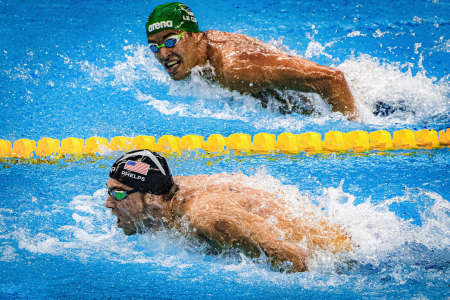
(81, 69)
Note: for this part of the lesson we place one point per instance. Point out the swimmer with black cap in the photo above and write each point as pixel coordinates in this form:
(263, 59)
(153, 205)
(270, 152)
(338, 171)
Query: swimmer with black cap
(241, 63)
(136, 180)
(220, 208)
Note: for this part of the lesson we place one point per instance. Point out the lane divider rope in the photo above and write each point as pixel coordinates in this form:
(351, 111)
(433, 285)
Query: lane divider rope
(239, 143)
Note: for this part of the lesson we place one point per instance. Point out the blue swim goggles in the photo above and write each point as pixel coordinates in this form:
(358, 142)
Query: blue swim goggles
(169, 43)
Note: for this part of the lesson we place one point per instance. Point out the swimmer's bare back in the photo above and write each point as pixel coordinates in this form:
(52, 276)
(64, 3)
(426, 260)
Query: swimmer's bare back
(225, 211)
(251, 66)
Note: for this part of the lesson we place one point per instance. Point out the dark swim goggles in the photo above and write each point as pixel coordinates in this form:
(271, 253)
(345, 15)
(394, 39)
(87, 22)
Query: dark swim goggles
(119, 195)
(169, 43)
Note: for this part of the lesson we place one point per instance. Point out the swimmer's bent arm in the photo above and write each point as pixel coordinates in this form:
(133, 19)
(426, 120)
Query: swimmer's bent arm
(250, 231)
(328, 82)
(293, 72)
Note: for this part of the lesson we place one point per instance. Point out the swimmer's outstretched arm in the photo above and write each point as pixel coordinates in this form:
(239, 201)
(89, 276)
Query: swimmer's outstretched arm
(238, 226)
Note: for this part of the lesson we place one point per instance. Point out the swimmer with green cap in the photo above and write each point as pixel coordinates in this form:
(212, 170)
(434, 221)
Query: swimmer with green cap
(239, 62)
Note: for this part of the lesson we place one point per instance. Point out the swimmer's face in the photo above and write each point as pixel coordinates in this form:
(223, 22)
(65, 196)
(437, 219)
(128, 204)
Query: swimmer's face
(132, 212)
(180, 59)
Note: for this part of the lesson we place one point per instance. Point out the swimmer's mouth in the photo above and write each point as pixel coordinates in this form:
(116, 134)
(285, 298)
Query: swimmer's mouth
(121, 223)
(172, 66)
(126, 229)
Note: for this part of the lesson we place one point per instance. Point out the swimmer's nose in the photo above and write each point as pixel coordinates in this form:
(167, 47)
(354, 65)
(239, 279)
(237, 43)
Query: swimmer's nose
(164, 53)
(110, 203)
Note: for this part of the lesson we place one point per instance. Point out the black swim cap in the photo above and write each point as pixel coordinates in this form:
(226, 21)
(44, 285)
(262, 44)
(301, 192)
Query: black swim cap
(144, 171)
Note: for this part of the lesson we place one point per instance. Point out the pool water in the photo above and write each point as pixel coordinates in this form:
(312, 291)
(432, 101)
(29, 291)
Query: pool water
(82, 69)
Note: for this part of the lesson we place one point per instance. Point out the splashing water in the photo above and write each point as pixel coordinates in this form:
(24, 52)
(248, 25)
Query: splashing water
(386, 244)
(371, 81)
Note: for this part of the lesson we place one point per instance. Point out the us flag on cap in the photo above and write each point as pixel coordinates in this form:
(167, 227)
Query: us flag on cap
(137, 166)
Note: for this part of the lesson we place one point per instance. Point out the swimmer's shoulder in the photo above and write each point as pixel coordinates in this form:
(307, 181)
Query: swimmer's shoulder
(238, 45)
(216, 36)
(190, 180)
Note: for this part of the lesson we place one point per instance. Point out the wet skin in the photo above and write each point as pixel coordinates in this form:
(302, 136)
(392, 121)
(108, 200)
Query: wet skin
(250, 66)
(134, 212)
(219, 208)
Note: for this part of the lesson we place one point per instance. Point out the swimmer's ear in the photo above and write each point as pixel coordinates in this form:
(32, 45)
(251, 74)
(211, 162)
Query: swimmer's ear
(154, 202)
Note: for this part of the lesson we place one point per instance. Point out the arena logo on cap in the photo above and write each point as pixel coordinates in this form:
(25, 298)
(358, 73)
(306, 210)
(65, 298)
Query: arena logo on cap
(160, 25)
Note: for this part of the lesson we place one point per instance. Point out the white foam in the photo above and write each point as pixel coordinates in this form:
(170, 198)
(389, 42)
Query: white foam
(436, 223)
(442, 45)
(378, 33)
(7, 253)
(316, 49)
(355, 34)
(372, 80)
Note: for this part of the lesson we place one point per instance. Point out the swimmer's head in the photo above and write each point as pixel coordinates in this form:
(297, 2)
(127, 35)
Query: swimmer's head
(172, 33)
(144, 171)
(139, 184)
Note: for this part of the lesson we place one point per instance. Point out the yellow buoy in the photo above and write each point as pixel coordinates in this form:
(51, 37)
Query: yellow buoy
(215, 143)
(121, 143)
(5, 148)
(358, 140)
(264, 143)
(310, 142)
(191, 142)
(48, 146)
(169, 144)
(404, 139)
(23, 148)
(144, 142)
(380, 140)
(72, 146)
(444, 137)
(239, 142)
(334, 141)
(287, 143)
(96, 144)
(427, 139)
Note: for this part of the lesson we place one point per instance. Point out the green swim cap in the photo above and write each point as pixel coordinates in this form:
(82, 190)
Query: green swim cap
(173, 15)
